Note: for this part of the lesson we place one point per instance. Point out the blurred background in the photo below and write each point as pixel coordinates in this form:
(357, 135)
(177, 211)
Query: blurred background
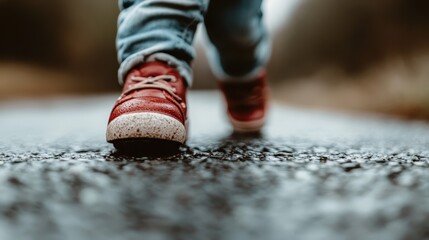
(359, 55)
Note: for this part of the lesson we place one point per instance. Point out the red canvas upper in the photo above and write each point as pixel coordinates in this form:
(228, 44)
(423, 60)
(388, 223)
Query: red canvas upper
(246, 100)
(151, 98)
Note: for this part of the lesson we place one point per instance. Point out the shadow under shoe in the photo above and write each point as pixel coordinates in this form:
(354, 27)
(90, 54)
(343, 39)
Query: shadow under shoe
(147, 147)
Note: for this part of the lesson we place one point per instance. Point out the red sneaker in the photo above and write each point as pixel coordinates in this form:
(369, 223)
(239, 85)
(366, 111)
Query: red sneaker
(247, 103)
(152, 108)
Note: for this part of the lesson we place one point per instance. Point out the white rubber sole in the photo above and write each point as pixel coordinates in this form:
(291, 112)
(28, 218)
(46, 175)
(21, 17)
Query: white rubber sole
(247, 127)
(146, 125)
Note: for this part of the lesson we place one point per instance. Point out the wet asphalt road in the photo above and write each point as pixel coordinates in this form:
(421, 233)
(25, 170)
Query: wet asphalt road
(311, 175)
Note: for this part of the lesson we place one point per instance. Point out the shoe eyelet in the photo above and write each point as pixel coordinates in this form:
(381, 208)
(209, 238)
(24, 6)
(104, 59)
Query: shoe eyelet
(183, 105)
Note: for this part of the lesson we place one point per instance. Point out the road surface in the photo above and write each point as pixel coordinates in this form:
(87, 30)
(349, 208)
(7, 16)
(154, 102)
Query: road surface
(310, 175)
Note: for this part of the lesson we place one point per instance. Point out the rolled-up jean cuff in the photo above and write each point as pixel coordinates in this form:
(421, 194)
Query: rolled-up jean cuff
(262, 52)
(137, 59)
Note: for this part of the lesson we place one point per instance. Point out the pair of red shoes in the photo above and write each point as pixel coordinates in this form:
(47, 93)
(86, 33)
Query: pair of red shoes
(153, 106)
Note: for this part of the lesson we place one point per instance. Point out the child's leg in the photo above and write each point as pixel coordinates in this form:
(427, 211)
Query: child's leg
(241, 47)
(240, 50)
(155, 50)
(160, 30)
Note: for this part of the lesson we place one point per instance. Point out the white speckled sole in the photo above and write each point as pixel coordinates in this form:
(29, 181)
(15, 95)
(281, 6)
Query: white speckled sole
(146, 125)
(247, 127)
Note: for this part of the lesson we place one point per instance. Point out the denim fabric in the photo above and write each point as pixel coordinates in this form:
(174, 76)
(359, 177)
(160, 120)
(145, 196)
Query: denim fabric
(163, 30)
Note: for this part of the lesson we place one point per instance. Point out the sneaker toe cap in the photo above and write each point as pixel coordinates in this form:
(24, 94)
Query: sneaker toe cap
(155, 105)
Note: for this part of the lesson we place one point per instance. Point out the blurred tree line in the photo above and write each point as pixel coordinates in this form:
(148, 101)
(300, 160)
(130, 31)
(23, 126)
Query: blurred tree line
(331, 49)
(73, 36)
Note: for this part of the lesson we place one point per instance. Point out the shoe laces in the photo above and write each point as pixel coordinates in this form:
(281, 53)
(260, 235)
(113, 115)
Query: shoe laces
(159, 82)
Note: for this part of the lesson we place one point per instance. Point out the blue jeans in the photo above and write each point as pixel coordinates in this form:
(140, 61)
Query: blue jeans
(163, 30)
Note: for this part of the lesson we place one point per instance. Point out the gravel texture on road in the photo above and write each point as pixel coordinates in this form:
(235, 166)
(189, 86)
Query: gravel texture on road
(310, 175)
